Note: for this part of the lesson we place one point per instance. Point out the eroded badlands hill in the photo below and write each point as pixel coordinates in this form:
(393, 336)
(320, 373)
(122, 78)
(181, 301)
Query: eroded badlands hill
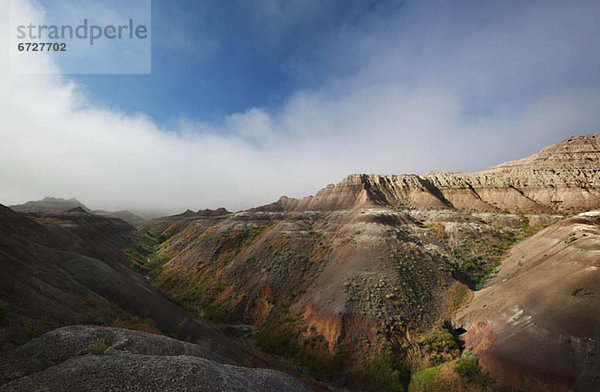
(71, 268)
(536, 325)
(361, 282)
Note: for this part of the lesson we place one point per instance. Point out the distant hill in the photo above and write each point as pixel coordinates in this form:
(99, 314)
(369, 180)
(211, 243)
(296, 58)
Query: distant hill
(49, 204)
(53, 205)
(205, 213)
(127, 216)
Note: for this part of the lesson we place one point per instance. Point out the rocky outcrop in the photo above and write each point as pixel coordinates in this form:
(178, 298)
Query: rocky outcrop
(563, 178)
(82, 358)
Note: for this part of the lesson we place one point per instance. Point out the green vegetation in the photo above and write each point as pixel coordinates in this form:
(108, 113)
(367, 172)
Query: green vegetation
(279, 336)
(145, 255)
(439, 344)
(286, 337)
(437, 229)
(463, 374)
(419, 277)
(405, 299)
(468, 367)
(197, 289)
(31, 328)
(125, 320)
(419, 380)
(98, 349)
(527, 229)
(458, 295)
(384, 372)
(479, 253)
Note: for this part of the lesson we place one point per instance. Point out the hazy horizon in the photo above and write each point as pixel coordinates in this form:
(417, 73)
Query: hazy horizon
(174, 210)
(294, 96)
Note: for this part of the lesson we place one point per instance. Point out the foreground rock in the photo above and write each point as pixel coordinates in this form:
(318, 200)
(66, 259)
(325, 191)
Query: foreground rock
(85, 358)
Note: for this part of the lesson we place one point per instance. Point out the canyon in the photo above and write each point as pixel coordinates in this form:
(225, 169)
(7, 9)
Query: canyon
(378, 282)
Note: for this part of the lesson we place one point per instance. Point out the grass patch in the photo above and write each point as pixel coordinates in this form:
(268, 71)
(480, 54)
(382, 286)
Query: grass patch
(479, 253)
(462, 375)
(422, 378)
(98, 349)
(458, 295)
(528, 229)
(437, 229)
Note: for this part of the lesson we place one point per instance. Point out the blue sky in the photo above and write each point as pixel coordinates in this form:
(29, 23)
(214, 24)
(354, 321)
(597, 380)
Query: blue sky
(213, 58)
(251, 100)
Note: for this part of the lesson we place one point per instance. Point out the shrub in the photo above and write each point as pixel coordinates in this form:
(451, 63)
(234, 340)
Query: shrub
(439, 344)
(385, 373)
(31, 328)
(468, 367)
(279, 336)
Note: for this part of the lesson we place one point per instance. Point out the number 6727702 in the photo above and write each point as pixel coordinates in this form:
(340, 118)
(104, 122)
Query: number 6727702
(42, 47)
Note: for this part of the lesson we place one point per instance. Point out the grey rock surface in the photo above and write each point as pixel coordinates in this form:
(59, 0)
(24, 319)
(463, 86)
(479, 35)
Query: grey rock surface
(62, 360)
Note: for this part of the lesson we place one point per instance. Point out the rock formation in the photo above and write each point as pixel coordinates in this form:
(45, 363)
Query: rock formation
(562, 178)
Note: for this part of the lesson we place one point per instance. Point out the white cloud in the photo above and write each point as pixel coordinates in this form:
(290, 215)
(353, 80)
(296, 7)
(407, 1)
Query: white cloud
(432, 95)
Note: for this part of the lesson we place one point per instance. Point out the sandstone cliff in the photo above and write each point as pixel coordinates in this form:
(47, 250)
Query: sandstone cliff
(562, 178)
